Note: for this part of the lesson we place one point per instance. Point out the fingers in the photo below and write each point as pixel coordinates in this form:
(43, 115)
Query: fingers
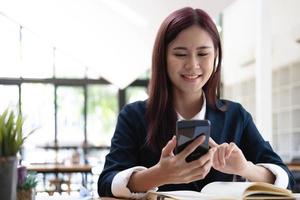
(224, 151)
(201, 172)
(230, 149)
(191, 147)
(168, 149)
(206, 157)
(221, 153)
(212, 143)
(203, 165)
(203, 159)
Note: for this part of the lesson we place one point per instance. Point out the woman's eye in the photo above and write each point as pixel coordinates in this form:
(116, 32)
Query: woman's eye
(180, 54)
(202, 54)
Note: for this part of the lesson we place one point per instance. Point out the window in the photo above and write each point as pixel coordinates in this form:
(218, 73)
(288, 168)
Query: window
(9, 97)
(38, 109)
(60, 97)
(136, 93)
(102, 113)
(70, 116)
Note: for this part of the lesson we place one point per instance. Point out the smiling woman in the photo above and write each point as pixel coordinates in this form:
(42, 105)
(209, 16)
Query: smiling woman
(186, 67)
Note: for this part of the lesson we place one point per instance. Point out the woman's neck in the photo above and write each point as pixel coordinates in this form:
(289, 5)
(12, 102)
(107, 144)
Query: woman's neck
(188, 105)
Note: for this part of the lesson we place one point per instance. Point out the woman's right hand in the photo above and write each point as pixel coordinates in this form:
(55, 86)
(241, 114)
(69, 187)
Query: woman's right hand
(173, 169)
(177, 170)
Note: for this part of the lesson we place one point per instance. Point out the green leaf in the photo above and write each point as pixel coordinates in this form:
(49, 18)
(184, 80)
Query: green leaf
(11, 133)
(2, 129)
(30, 181)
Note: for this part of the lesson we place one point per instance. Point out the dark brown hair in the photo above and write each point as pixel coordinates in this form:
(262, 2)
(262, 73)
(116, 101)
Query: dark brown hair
(160, 113)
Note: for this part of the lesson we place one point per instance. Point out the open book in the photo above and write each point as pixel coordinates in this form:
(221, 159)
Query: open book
(226, 191)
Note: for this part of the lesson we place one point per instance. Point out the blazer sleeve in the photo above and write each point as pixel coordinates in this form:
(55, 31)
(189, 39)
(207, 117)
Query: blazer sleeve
(123, 152)
(257, 150)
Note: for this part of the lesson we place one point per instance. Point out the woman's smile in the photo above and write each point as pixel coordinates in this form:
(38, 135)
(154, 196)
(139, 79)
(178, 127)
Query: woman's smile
(190, 60)
(190, 77)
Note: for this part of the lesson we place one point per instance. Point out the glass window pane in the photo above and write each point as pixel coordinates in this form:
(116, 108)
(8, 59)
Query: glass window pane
(136, 93)
(37, 57)
(9, 48)
(38, 109)
(70, 116)
(10, 99)
(102, 113)
(67, 66)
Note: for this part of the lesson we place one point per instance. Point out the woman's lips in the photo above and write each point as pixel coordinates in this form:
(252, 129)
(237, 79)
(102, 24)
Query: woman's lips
(191, 77)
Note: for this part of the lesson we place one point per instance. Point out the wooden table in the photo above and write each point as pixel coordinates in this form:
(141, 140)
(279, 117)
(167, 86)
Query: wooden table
(47, 168)
(297, 197)
(74, 198)
(60, 168)
(54, 146)
(293, 166)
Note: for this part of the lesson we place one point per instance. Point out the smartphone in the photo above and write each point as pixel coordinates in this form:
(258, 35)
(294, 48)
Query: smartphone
(187, 131)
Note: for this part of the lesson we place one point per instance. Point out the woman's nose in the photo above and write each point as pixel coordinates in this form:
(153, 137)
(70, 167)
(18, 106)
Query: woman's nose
(192, 63)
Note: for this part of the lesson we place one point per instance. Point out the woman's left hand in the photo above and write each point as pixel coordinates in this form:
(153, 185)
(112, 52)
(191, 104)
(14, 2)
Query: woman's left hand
(228, 158)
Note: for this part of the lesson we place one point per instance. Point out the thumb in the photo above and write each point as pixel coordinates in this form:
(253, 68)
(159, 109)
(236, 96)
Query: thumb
(212, 143)
(168, 149)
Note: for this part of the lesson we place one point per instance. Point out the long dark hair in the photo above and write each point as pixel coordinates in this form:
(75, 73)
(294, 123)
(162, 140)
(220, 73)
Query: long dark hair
(160, 113)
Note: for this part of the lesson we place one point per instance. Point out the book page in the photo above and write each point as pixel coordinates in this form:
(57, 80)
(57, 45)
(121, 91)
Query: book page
(226, 191)
(184, 195)
(260, 188)
(232, 189)
(243, 189)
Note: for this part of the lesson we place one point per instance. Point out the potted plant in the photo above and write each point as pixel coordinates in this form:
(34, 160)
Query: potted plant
(26, 184)
(11, 140)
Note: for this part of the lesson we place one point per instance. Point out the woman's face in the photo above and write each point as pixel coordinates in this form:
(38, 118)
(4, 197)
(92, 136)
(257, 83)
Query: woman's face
(190, 60)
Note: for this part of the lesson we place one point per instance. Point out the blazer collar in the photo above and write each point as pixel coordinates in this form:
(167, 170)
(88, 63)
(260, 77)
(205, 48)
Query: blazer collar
(216, 118)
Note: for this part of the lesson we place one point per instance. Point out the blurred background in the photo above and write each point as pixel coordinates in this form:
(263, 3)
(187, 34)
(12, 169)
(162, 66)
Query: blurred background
(70, 65)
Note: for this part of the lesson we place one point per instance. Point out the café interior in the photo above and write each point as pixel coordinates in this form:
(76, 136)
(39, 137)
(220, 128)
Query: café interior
(70, 66)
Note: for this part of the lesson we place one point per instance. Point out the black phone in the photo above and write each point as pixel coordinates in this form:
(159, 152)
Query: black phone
(187, 131)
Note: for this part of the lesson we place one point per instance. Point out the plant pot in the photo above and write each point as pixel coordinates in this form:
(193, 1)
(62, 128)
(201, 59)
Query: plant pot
(26, 194)
(8, 178)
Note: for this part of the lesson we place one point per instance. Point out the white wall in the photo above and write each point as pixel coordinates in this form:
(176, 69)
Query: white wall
(239, 37)
(238, 41)
(281, 124)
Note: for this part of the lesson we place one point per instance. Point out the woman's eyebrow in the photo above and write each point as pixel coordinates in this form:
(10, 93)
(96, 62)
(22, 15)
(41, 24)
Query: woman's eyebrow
(198, 48)
(179, 48)
(204, 47)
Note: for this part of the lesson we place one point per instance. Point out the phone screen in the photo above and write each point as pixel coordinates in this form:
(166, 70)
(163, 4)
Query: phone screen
(187, 131)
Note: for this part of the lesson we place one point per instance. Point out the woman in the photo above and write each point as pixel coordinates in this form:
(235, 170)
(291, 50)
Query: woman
(185, 80)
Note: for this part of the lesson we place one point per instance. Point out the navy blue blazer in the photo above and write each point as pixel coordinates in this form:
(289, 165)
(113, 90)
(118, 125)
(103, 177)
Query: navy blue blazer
(129, 149)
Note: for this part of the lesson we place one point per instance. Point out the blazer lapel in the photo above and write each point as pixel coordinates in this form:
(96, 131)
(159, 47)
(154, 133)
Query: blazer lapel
(216, 117)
